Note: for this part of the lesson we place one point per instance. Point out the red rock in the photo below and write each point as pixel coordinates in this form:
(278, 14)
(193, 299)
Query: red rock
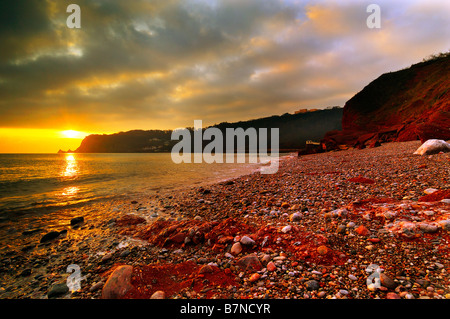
(285, 205)
(176, 239)
(417, 109)
(323, 250)
(118, 283)
(392, 295)
(129, 220)
(158, 295)
(236, 248)
(374, 240)
(173, 278)
(271, 266)
(436, 196)
(249, 262)
(387, 281)
(218, 247)
(206, 269)
(225, 240)
(361, 180)
(363, 231)
(254, 277)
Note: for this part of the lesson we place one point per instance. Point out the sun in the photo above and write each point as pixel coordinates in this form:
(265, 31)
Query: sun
(71, 134)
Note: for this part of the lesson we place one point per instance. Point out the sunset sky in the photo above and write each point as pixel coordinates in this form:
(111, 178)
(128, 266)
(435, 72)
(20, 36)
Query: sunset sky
(161, 64)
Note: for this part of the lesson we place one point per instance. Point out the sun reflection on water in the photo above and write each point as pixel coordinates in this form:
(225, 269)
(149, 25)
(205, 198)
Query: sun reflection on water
(71, 168)
(70, 191)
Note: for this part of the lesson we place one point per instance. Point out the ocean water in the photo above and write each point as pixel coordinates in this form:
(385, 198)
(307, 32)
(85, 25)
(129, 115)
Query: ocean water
(31, 182)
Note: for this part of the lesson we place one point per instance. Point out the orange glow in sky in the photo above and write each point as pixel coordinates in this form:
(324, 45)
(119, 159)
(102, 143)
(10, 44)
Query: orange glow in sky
(16, 140)
(73, 134)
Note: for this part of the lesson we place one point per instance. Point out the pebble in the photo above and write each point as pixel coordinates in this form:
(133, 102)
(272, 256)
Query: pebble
(96, 286)
(249, 262)
(245, 240)
(236, 248)
(254, 277)
(362, 230)
(295, 217)
(265, 258)
(387, 281)
(428, 228)
(50, 236)
(439, 265)
(206, 269)
(271, 266)
(286, 229)
(158, 295)
(58, 290)
(125, 252)
(352, 277)
(429, 191)
(372, 287)
(445, 224)
(392, 295)
(351, 224)
(76, 220)
(106, 257)
(312, 285)
(341, 229)
(322, 250)
(343, 292)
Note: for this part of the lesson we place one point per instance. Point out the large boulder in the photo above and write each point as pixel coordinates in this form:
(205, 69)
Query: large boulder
(433, 146)
(118, 283)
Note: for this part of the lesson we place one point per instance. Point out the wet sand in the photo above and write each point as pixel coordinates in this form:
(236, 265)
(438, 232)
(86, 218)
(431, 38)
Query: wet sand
(312, 230)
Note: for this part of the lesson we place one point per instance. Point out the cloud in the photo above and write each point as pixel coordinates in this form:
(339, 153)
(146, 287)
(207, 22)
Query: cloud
(163, 63)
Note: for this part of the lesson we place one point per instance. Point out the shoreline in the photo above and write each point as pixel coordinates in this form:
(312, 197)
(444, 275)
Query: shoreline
(52, 204)
(315, 227)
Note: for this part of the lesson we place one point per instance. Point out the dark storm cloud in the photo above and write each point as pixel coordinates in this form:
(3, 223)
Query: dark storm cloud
(21, 21)
(164, 63)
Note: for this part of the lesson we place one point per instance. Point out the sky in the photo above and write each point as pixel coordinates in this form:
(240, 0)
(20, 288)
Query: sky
(161, 64)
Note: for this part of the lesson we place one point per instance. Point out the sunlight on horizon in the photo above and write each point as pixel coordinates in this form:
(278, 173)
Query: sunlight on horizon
(26, 140)
(73, 134)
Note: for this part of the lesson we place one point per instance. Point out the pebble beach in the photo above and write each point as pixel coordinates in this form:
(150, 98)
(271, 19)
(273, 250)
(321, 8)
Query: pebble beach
(353, 224)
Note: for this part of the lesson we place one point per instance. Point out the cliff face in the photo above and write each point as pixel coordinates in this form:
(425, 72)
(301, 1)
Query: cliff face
(294, 131)
(137, 141)
(406, 105)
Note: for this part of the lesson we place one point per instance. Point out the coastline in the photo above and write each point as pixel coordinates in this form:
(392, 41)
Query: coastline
(314, 227)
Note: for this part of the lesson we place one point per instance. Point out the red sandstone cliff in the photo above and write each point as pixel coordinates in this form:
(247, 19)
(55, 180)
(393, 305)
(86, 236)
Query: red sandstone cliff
(406, 105)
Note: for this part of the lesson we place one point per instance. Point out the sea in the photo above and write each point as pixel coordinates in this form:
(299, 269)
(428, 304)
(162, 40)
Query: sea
(33, 182)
